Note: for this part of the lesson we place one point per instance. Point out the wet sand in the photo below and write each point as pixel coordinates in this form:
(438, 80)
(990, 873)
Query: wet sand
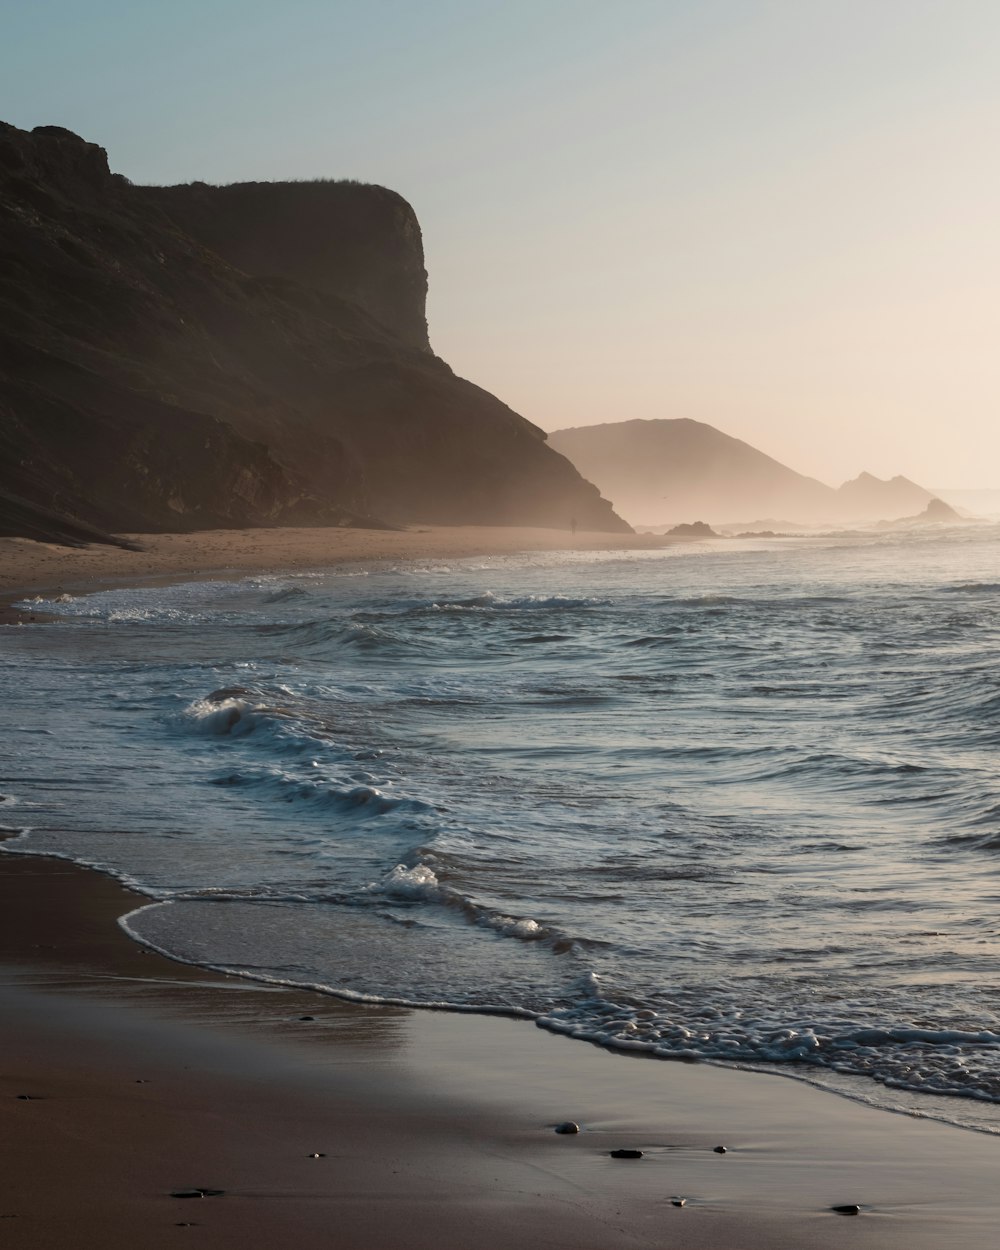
(434, 1130)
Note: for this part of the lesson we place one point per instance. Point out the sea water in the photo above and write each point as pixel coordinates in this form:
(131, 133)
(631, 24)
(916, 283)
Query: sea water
(733, 801)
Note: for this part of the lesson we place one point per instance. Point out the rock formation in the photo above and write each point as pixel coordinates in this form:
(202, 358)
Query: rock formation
(176, 358)
(937, 512)
(692, 529)
(868, 496)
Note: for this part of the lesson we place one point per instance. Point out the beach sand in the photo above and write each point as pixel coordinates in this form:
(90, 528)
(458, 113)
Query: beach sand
(42, 568)
(144, 1077)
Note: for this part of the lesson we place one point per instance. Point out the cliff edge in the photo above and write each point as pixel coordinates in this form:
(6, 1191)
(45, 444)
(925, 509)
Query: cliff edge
(178, 358)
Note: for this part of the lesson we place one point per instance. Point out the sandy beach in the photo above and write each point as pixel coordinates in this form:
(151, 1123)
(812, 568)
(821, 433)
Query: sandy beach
(31, 567)
(128, 1078)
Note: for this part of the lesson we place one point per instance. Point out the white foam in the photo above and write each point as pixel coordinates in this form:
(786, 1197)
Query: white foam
(419, 882)
(134, 604)
(514, 927)
(232, 716)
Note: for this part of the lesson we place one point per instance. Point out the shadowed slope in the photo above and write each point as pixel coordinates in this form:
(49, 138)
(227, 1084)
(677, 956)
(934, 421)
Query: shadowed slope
(148, 382)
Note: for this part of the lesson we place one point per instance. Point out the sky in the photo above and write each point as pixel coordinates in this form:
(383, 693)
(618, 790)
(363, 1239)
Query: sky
(781, 217)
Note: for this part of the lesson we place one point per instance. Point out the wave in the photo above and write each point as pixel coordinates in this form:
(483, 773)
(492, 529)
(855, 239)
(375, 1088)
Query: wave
(420, 883)
(321, 633)
(665, 638)
(284, 733)
(182, 602)
(544, 638)
(749, 601)
(129, 926)
(512, 603)
(948, 1061)
(487, 602)
(957, 1062)
(971, 588)
(358, 797)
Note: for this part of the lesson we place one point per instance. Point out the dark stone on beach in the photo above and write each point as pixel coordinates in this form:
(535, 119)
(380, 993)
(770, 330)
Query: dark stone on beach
(719, 1150)
(201, 1192)
(568, 1127)
(307, 1019)
(678, 1202)
(316, 1154)
(626, 1154)
(848, 1208)
(27, 1098)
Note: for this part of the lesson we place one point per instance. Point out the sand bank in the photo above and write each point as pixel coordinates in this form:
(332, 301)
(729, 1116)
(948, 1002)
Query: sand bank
(434, 1130)
(28, 566)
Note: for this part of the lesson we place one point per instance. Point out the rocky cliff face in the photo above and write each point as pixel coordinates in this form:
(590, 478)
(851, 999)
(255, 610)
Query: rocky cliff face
(361, 243)
(177, 358)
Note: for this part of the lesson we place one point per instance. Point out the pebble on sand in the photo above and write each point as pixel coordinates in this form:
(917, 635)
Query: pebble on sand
(847, 1208)
(626, 1154)
(200, 1192)
(719, 1150)
(305, 1019)
(678, 1202)
(569, 1126)
(316, 1154)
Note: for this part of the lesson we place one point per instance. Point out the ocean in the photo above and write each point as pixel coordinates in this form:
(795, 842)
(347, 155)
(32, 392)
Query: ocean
(729, 801)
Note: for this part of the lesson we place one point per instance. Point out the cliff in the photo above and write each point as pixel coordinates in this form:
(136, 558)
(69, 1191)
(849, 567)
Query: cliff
(661, 472)
(175, 358)
(361, 243)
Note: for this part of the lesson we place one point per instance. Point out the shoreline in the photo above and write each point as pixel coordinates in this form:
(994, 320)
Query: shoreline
(147, 1076)
(28, 567)
(434, 1128)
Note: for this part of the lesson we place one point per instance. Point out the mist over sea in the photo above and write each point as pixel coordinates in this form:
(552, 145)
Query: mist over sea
(734, 801)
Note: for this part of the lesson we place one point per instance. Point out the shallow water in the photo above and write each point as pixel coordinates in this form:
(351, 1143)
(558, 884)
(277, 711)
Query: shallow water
(732, 800)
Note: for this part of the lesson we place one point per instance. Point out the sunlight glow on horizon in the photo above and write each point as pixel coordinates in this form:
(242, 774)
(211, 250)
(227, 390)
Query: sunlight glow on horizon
(776, 218)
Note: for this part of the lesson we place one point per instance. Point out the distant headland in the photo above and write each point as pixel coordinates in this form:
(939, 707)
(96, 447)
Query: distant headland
(659, 473)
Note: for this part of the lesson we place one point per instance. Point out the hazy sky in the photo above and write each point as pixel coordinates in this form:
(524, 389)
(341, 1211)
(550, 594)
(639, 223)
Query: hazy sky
(778, 216)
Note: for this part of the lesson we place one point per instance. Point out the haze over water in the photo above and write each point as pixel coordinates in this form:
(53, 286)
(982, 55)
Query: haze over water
(733, 801)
